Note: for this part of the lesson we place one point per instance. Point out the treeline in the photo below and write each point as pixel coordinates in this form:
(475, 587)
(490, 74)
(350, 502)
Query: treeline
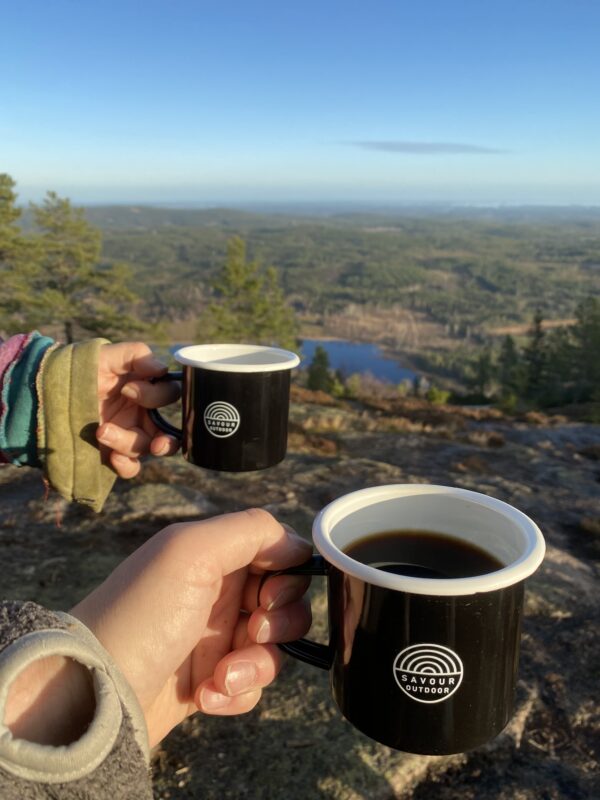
(466, 273)
(551, 368)
(58, 269)
(54, 277)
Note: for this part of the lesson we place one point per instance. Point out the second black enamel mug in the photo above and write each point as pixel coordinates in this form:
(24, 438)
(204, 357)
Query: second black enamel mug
(235, 405)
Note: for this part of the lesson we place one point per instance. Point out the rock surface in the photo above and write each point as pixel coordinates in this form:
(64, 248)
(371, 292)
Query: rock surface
(295, 745)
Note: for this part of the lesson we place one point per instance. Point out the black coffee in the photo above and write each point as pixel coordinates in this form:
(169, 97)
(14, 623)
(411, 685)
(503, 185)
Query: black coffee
(423, 554)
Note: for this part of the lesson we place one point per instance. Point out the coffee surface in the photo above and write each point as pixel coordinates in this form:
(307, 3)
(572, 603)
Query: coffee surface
(423, 554)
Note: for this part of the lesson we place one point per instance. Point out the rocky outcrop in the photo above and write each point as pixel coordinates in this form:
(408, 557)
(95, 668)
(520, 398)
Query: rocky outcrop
(295, 745)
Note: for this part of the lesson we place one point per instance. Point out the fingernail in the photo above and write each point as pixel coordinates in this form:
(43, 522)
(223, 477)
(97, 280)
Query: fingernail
(264, 632)
(288, 594)
(108, 435)
(130, 391)
(157, 366)
(240, 677)
(210, 700)
(163, 450)
(273, 630)
(289, 529)
(299, 541)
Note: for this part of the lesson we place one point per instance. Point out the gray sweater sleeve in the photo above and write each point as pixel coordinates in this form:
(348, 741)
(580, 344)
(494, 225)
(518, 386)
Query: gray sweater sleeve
(110, 760)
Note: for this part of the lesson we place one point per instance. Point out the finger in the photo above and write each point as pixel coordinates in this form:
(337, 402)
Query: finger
(281, 625)
(133, 442)
(275, 592)
(163, 445)
(247, 669)
(134, 357)
(283, 589)
(124, 466)
(251, 538)
(152, 395)
(211, 701)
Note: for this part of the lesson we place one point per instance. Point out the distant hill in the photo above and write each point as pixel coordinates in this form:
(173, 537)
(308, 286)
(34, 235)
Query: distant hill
(284, 213)
(463, 268)
(144, 217)
(471, 270)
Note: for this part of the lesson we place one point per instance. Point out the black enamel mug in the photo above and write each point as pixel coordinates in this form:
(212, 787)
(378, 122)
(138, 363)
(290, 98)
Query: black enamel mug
(235, 405)
(423, 665)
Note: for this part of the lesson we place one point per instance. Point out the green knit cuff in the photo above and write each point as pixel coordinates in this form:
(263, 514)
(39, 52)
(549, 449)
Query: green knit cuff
(69, 407)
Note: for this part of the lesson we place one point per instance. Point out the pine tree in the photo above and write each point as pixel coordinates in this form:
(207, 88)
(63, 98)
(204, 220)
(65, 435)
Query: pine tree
(510, 368)
(586, 348)
(319, 372)
(483, 372)
(560, 380)
(17, 252)
(535, 359)
(248, 304)
(9, 213)
(58, 280)
(279, 318)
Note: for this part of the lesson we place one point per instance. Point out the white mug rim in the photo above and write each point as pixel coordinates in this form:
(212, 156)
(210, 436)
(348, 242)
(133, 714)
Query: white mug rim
(513, 573)
(212, 357)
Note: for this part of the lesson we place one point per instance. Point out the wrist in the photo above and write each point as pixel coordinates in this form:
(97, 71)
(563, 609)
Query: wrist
(50, 702)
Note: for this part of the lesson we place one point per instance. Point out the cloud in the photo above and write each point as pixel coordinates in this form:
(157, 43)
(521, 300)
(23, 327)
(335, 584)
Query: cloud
(426, 148)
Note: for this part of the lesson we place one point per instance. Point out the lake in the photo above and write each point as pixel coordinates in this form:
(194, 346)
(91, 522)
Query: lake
(350, 357)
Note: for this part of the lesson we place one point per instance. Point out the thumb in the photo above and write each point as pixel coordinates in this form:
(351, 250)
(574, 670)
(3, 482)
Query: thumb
(134, 358)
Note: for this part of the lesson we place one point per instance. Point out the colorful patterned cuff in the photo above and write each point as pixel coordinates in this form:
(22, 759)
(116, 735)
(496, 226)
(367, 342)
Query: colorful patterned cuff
(18, 398)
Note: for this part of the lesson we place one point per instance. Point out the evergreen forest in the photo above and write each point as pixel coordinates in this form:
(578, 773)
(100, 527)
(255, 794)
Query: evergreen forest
(503, 304)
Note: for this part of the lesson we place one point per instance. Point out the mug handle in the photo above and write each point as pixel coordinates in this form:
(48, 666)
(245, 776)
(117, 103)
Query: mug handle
(154, 414)
(319, 655)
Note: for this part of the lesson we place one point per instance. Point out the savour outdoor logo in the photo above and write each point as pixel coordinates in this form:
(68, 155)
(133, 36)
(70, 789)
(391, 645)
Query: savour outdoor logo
(428, 673)
(221, 419)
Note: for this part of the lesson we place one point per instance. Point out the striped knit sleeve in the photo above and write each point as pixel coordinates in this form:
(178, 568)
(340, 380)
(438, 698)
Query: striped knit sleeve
(20, 358)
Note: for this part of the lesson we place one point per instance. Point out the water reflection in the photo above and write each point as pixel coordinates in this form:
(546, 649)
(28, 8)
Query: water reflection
(351, 357)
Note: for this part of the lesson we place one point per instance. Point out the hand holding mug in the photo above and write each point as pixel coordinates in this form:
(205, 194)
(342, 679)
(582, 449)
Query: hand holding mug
(183, 619)
(125, 392)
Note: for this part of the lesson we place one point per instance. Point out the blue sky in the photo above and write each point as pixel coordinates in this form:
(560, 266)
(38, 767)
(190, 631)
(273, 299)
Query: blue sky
(176, 101)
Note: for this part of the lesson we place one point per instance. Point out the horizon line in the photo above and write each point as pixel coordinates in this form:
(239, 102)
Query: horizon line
(224, 204)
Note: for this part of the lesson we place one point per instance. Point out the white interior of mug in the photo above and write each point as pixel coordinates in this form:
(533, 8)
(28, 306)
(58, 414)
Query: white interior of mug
(501, 530)
(237, 357)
